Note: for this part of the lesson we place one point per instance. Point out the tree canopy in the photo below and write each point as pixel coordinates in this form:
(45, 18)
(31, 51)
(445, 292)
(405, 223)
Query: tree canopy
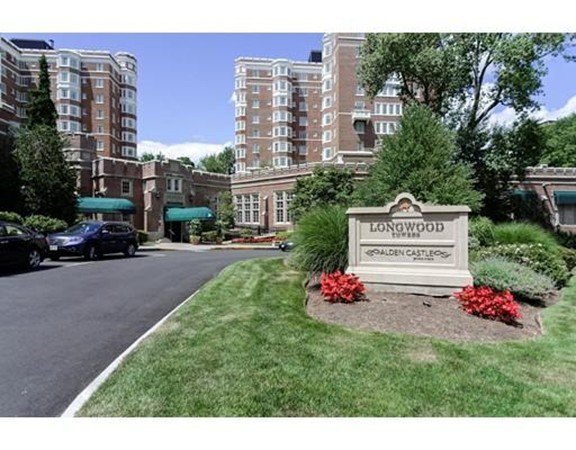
(222, 162)
(326, 186)
(48, 180)
(464, 75)
(148, 156)
(560, 150)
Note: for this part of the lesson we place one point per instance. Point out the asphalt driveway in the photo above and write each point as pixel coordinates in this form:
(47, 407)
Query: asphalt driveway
(62, 325)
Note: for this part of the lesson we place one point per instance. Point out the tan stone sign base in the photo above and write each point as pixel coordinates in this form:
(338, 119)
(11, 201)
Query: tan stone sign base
(410, 247)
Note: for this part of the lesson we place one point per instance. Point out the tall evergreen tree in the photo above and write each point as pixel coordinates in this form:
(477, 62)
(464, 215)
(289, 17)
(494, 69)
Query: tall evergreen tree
(41, 109)
(419, 159)
(48, 182)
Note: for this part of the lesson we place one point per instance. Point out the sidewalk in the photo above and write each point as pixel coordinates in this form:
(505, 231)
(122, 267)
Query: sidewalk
(167, 246)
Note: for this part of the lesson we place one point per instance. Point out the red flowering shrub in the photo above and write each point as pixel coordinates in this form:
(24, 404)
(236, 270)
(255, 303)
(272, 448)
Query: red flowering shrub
(484, 302)
(341, 287)
(253, 240)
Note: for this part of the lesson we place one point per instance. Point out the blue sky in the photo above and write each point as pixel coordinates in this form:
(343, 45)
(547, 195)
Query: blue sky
(185, 81)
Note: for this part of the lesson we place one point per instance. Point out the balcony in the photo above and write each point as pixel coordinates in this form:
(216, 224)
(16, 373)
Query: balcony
(360, 115)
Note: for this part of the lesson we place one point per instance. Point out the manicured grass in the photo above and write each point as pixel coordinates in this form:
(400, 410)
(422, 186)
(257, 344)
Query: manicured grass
(244, 346)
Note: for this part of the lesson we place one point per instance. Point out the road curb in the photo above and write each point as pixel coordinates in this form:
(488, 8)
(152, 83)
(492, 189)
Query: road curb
(85, 395)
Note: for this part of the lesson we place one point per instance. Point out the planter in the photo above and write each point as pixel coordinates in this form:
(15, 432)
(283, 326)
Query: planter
(195, 240)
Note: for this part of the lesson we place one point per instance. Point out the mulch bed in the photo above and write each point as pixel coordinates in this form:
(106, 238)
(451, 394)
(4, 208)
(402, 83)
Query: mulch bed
(438, 317)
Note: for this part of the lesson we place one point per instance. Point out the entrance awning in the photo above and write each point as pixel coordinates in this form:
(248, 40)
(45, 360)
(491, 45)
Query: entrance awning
(101, 205)
(565, 197)
(188, 214)
(524, 194)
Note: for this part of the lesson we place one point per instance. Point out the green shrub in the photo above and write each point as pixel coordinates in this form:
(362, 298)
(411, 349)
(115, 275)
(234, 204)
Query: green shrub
(142, 237)
(501, 274)
(246, 233)
(210, 236)
(195, 228)
(534, 256)
(480, 232)
(569, 257)
(44, 224)
(524, 233)
(321, 240)
(13, 217)
(284, 235)
(565, 238)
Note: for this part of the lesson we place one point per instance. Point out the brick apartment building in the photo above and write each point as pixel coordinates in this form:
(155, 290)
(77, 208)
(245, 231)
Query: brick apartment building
(94, 93)
(291, 115)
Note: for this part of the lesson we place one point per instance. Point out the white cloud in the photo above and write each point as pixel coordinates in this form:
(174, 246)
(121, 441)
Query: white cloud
(507, 115)
(194, 150)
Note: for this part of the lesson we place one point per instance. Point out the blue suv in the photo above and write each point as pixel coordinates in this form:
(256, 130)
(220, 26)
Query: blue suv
(92, 239)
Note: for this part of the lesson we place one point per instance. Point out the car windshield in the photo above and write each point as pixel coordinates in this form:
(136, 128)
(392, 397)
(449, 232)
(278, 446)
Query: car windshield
(83, 228)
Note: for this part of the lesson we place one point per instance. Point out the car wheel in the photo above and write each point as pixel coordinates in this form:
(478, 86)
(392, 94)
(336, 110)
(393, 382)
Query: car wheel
(90, 253)
(34, 259)
(130, 250)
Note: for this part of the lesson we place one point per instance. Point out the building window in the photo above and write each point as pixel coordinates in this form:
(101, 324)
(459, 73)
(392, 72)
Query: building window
(128, 151)
(281, 161)
(360, 90)
(303, 121)
(360, 127)
(327, 85)
(247, 208)
(255, 104)
(99, 99)
(281, 207)
(385, 127)
(99, 145)
(255, 133)
(255, 119)
(327, 119)
(126, 188)
(99, 67)
(99, 129)
(99, 83)
(326, 154)
(240, 153)
(255, 89)
(173, 184)
(302, 150)
(128, 137)
(99, 113)
(327, 102)
(256, 148)
(327, 136)
(303, 106)
(567, 214)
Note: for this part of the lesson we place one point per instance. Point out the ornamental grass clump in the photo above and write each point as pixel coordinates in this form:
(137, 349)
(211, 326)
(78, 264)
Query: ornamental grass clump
(321, 240)
(524, 233)
(341, 287)
(483, 301)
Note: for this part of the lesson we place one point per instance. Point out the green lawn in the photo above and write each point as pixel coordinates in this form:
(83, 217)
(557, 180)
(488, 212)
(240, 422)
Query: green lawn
(244, 346)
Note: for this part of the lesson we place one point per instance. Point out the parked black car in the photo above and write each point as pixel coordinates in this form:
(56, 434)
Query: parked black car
(92, 239)
(20, 246)
(286, 246)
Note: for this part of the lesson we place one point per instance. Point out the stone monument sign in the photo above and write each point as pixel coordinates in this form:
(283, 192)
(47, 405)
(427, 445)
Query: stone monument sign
(407, 246)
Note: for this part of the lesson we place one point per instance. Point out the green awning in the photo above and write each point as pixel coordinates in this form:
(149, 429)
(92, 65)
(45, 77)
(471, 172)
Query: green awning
(100, 205)
(524, 194)
(187, 214)
(565, 197)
